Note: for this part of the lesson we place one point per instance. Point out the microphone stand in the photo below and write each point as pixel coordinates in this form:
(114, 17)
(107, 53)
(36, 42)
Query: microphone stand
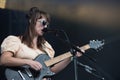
(75, 68)
(73, 50)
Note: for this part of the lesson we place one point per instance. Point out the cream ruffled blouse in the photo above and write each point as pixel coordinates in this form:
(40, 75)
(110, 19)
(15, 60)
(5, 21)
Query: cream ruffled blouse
(20, 50)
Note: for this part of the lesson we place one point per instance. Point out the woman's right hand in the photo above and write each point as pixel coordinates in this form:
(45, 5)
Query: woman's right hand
(34, 64)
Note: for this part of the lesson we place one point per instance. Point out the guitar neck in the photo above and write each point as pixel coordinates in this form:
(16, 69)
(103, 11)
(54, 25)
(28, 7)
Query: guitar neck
(64, 56)
(85, 47)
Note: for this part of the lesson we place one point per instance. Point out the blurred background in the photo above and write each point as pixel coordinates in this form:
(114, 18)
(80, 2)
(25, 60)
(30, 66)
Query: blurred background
(82, 20)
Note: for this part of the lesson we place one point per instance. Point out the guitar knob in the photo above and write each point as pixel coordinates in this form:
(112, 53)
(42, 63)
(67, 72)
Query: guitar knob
(48, 72)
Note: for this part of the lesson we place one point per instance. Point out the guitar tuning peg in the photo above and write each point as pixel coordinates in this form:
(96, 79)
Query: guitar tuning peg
(103, 40)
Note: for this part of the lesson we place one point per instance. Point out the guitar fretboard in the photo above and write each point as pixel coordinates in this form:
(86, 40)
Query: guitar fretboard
(63, 56)
(58, 59)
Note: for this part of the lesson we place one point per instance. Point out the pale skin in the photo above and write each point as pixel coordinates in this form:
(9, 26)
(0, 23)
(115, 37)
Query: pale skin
(8, 59)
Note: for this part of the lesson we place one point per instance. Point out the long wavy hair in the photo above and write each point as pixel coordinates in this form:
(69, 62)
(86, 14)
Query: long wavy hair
(32, 16)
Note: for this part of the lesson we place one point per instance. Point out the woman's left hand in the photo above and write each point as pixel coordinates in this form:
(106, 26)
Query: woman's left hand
(78, 54)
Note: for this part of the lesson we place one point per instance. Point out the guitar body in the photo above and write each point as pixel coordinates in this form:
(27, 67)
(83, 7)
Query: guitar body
(14, 73)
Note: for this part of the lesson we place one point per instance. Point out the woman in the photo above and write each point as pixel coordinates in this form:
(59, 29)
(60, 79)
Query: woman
(22, 50)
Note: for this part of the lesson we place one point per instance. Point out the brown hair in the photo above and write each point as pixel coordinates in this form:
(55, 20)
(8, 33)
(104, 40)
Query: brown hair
(32, 16)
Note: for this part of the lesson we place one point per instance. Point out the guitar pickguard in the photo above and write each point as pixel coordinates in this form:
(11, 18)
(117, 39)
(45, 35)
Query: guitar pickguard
(19, 73)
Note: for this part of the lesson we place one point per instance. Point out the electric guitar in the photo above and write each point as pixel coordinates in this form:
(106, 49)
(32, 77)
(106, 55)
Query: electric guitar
(26, 73)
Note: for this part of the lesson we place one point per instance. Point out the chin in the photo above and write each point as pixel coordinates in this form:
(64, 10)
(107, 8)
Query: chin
(40, 34)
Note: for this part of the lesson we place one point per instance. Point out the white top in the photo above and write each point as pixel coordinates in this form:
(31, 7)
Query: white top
(21, 50)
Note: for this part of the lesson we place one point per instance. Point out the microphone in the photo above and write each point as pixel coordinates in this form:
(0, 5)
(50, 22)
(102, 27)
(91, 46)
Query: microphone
(51, 30)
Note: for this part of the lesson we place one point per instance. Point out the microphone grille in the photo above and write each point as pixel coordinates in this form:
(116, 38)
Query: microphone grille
(45, 30)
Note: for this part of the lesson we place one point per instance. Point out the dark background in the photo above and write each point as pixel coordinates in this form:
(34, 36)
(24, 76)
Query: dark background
(80, 32)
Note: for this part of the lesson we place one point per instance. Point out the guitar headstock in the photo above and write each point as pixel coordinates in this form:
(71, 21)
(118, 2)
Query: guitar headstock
(95, 44)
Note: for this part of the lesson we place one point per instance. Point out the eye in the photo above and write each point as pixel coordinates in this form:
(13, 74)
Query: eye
(43, 22)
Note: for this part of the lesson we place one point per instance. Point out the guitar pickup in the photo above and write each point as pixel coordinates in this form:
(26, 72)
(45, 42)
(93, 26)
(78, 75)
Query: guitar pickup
(21, 75)
(28, 72)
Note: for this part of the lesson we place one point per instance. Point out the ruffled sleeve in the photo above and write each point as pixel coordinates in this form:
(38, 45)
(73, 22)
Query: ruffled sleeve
(48, 48)
(10, 43)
